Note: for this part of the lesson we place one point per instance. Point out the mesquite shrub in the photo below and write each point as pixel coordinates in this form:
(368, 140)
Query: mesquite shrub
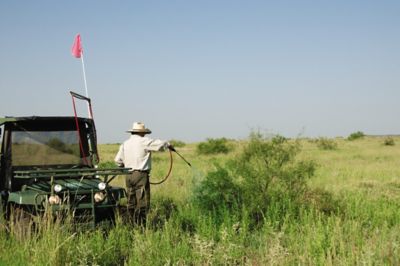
(214, 146)
(326, 144)
(388, 141)
(356, 135)
(177, 143)
(265, 172)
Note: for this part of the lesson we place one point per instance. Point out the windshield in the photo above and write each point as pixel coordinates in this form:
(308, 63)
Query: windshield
(45, 148)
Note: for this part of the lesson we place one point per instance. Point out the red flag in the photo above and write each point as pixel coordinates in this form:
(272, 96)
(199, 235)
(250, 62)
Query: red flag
(77, 47)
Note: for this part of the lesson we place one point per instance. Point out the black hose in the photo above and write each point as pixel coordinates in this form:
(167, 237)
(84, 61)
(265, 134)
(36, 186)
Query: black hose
(171, 160)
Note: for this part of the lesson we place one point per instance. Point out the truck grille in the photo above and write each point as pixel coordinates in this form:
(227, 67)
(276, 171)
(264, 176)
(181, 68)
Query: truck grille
(75, 198)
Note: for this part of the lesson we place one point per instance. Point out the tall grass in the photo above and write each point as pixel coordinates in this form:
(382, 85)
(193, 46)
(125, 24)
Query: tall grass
(362, 233)
(358, 225)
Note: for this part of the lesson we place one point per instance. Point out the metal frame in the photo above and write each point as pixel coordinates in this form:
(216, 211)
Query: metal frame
(58, 173)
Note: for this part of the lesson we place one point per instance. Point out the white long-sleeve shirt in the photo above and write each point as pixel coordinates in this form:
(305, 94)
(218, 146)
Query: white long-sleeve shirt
(135, 152)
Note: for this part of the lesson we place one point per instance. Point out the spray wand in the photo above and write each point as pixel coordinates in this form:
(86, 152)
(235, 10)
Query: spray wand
(170, 147)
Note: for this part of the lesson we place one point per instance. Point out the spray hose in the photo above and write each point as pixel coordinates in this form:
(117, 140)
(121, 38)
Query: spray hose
(171, 163)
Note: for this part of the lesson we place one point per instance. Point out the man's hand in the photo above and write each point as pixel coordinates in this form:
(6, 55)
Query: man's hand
(170, 147)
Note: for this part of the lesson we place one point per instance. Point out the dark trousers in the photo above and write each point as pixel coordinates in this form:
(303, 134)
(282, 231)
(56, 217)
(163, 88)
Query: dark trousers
(138, 190)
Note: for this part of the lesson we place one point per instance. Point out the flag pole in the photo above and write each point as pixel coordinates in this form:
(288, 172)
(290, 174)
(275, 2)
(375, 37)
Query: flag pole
(86, 89)
(77, 51)
(84, 75)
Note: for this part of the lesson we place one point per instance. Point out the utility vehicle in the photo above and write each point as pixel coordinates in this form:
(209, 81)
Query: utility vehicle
(49, 164)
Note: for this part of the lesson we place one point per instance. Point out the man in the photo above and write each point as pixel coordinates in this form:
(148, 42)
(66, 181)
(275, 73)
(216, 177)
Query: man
(135, 153)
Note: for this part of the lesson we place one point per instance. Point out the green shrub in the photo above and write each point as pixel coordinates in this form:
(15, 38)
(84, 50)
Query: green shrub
(214, 146)
(326, 144)
(356, 135)
(177, 143)
(269, 167)
(388, 141)
(218, 191)
(266, 171)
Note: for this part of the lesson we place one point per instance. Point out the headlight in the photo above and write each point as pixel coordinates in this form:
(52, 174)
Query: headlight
(55, 199)
(57, 188)
(102, 185)
(99, 196)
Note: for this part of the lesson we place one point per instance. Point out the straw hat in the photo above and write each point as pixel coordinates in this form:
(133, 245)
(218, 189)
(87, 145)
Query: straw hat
(139, 127)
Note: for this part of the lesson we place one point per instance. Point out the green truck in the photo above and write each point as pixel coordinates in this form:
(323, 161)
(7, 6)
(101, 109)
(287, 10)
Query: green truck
(49, 164)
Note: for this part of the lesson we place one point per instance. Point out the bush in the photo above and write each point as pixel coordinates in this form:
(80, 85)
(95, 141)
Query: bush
(326, 144)
(356, 135)
(269, 167)
(214, 146)
(266, 171)
(388, 141)
(218, 191)
(177, 143)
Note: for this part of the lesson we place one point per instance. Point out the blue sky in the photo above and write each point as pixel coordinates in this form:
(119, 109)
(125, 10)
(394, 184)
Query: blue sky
(191, 70)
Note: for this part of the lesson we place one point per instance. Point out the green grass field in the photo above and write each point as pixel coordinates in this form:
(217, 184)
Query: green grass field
(362, 225)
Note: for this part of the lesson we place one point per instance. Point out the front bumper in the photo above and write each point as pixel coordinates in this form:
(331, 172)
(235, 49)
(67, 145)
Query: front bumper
(80, 205)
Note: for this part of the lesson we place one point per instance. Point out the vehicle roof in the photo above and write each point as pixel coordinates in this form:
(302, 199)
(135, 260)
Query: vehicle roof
(11, 119)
